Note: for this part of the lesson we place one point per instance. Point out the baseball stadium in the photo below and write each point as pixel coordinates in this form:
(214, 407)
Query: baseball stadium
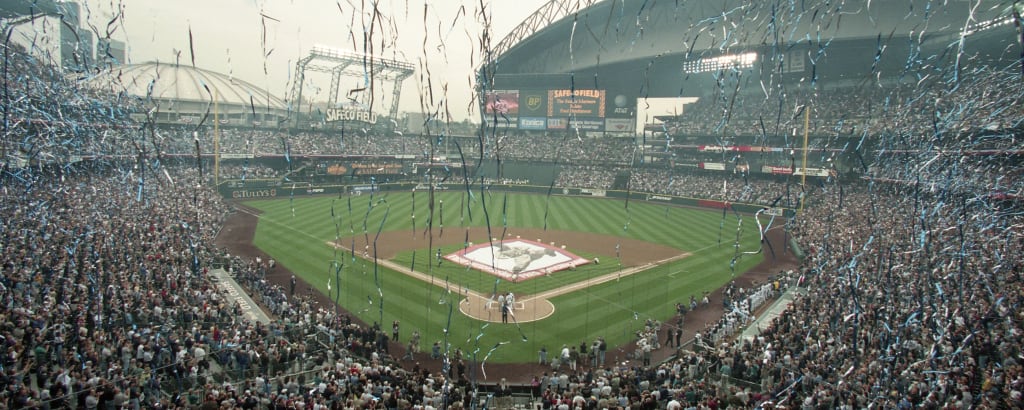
(620, 204)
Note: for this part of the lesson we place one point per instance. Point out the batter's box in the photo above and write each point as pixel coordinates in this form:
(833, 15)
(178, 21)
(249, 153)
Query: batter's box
(516, 260)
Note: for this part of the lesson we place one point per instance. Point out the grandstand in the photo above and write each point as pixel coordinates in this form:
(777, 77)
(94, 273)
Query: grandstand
(888, 132)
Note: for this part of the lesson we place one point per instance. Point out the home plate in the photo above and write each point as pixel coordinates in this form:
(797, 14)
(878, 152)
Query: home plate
(516, 260)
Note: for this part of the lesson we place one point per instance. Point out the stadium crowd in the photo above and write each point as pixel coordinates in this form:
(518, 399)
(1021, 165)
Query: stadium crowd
(831, 111)
(108, 304)
(586, 176)
(888, 333)
(913, 294)
(708, 185)
(547, 147)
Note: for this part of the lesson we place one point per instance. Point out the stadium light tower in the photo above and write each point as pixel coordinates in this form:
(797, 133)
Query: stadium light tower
(343, 63)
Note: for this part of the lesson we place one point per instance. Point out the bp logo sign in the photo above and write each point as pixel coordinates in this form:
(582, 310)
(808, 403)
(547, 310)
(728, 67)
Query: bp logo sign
(533, 102)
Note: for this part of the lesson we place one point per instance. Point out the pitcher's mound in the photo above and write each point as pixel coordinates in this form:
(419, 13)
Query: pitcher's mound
(527, 310)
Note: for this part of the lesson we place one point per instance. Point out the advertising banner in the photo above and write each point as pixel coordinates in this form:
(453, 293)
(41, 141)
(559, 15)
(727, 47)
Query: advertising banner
(782, 170)
(533, 123)
(586, 124)
(770, 169)
(509, 121)
(619, 125)
(533, 103)
(236, 156)
(621, 106)
(817, 172)
(737, 148)
(557, 123)
(586, 103)
(716, 166)
(707, 203)
(253, 193)
(713, 148)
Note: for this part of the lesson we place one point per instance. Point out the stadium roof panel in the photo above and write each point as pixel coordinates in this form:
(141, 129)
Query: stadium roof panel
(609, 32)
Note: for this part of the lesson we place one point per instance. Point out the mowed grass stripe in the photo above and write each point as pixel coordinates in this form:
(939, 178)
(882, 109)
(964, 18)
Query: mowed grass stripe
(574, 216)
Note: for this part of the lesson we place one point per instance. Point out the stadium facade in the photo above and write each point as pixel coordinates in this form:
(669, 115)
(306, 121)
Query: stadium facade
(776, 84)
(641, 49)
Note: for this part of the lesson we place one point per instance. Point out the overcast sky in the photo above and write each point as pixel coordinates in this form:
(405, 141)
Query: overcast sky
(245, 37)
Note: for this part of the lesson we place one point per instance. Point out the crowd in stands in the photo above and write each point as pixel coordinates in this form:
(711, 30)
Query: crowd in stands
(875, 329)
(548, 147)
(586, 176)
(832, 111)
(721, 186)
(913, 294)
(107, 303)
(75, 336)
(103, 301)
(565, 146)
(256, 171)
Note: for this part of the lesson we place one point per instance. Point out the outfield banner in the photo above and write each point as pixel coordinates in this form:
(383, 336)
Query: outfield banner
(557, 123)
(236, 156)
(533, 103)
(782, 170)
(592, 192)
(770, 169)
(252, 183)
(502, 102)
(715, 166)
(336, 169)
(533, 123)
(733, 148)
(586, 124)
(253, 193)
(815, 172)
(712, 148)
(587, 103)
(712, 204)
(619, 125)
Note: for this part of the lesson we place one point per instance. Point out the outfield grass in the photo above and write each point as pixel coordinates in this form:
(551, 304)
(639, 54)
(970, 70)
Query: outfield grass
(295, 233)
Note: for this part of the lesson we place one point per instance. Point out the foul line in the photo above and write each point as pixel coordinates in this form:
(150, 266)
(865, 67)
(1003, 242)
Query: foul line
(602, 279)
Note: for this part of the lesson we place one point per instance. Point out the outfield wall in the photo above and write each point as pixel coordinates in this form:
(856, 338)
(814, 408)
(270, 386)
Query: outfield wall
(242, 190)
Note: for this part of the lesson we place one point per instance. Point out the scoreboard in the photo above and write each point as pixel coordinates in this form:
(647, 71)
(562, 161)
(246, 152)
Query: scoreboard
(583, 103)
(560, 109)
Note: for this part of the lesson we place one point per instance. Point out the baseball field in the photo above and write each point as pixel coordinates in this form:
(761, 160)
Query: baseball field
(377, 257)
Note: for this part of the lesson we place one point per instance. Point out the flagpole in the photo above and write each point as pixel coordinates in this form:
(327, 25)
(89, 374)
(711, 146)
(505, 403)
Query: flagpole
(216, 138)
(803, 178)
